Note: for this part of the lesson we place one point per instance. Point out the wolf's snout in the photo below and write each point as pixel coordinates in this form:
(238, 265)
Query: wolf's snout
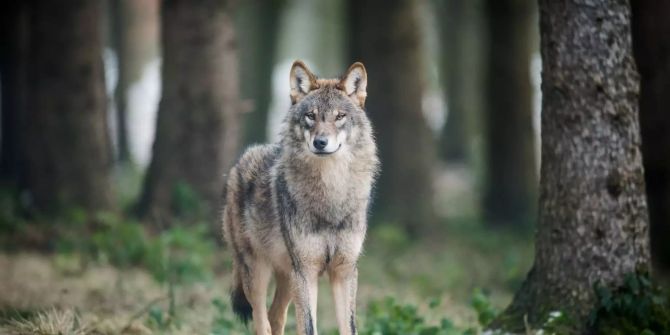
(320, 142)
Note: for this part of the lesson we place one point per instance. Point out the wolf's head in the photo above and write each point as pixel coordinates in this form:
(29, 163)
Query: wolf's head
(327, 115)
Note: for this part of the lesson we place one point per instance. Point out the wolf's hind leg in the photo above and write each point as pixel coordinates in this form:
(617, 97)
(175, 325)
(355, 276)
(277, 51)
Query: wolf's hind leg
(304, 287)
(256, 289)
(280, 303)
(344, 283)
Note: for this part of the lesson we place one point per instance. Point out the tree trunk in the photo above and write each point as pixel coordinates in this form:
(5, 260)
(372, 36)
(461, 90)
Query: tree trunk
(651, 44)
(511, 177)
(67, 149)
(198, 118)
(13, 38)
(459, 67)
(385, 37)
(592, 210)
(258, 23)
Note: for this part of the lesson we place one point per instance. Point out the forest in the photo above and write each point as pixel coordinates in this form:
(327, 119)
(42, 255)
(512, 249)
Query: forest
(524, 148)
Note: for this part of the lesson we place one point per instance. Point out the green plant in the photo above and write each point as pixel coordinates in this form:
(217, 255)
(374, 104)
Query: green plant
(224, 323)
(482, 305)
(186, 202)
(180, 255)
(121, 243)
(638, 306)
(387, 317)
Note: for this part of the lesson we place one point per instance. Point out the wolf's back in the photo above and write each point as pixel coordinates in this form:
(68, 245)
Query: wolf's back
(249, 175)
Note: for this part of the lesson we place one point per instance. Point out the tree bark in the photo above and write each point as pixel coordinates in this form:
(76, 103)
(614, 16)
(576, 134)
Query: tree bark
(68, 160)
(198, 118)
(511, 173)
(592, 210)
(651, 44)
(385, 37)
(258, 21)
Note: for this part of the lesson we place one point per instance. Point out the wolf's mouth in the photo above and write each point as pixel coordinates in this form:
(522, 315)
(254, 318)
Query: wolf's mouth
(325, 153)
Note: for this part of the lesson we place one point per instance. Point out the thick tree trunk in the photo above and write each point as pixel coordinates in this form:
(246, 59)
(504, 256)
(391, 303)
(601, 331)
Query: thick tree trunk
(651, 42)
(385, 37)
(511, 174)
(67, 149)
(258, 23)
(593, 215)
(13, 52)
(198, 118)
(459, 68)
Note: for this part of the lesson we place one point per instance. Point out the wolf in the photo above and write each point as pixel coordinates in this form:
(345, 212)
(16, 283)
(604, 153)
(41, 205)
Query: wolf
(298, 209)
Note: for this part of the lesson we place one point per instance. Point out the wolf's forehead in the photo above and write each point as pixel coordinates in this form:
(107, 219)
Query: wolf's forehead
(328, 100)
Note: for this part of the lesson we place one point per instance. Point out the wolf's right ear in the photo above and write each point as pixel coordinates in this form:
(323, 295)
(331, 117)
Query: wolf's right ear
(354, 83)
(302, 81)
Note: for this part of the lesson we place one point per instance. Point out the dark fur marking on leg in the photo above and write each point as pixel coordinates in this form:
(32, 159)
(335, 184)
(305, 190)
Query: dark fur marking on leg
(352, 324)
(309, 323)
(286, 211)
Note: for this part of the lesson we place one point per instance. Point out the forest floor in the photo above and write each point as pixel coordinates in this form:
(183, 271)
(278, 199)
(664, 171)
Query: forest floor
(439, 277)
(120, 280)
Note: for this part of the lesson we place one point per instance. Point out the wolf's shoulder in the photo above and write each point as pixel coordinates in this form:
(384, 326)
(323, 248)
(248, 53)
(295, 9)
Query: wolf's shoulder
(259, 157)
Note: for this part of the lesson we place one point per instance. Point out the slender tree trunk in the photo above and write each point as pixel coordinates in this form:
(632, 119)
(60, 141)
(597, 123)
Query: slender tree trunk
(13, 39)
(258, 23)
(651, 42)
(459, 76)
(135, 43)
(592, 212)
(119, 42)
(198, 118)
(385, 37)
(511, 177)
(68, 159)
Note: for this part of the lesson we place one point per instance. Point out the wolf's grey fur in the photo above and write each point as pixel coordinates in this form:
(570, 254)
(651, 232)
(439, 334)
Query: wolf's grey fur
(298, 209)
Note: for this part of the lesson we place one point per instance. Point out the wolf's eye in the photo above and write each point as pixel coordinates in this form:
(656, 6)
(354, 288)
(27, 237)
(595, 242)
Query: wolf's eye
(340, 116)
(310, 116)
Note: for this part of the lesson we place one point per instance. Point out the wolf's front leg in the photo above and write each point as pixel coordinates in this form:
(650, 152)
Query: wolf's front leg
(344, 283)
(305, 290)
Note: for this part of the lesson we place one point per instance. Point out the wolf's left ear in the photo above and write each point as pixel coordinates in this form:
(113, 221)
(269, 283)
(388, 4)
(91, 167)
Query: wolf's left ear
(302, 81)
(355, 83)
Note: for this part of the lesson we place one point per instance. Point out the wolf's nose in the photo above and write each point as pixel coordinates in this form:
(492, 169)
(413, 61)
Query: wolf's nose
(320, 142)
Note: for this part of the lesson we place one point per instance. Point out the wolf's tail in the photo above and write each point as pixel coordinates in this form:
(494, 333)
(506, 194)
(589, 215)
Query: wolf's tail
(241, 306)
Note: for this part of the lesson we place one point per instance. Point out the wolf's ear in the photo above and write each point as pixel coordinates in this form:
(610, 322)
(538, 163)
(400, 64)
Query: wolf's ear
(302, 81)
(355, 83)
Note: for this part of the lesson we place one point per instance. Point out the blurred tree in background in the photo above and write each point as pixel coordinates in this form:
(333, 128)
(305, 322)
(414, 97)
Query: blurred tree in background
(258, 32)
(511, 174)
(13, 54)
(651, 42)
(592, 212)
(385, 37)
(67, 151)
(461, 48)
(199, 115)
(133, 48)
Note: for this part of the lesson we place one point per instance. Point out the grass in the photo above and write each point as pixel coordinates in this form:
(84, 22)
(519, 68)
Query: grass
(125, 290)
(124, 279)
